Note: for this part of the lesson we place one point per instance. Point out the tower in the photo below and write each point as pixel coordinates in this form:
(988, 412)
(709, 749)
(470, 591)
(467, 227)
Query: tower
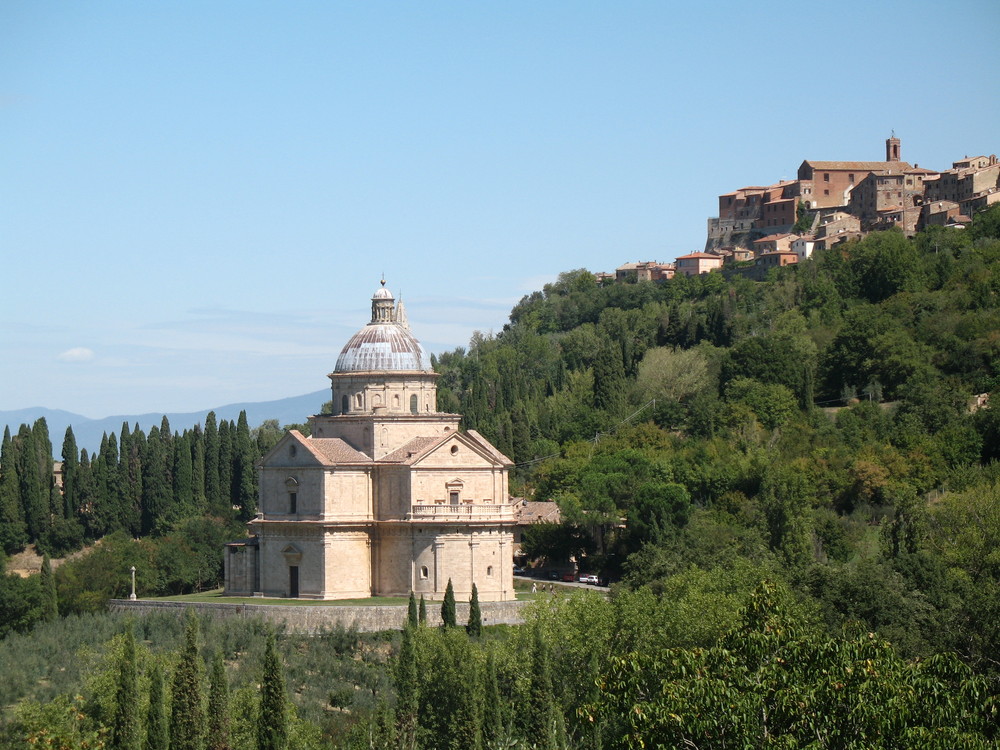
(892, 148)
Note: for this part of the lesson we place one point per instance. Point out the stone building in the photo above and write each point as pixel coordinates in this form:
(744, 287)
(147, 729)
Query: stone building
(694, 264)
(387, 495)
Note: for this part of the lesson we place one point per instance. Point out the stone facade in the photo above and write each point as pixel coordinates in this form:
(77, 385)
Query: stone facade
(386, 496)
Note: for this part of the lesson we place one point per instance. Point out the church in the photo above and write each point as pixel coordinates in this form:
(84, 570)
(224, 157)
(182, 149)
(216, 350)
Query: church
(387, 495)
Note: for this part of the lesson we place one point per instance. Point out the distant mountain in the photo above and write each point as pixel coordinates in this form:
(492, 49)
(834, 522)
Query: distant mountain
(88, 432)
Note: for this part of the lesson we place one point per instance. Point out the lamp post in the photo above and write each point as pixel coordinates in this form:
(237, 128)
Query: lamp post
(132, 595)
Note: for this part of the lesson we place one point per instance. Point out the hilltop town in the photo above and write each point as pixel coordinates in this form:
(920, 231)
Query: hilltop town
(829, 203)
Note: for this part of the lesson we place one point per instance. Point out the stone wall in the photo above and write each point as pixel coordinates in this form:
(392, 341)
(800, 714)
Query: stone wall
(312, 619)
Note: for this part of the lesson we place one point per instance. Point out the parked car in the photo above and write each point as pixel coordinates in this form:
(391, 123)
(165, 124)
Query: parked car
(554, 575)
(568, 577)
(519, 571)
(592, 579)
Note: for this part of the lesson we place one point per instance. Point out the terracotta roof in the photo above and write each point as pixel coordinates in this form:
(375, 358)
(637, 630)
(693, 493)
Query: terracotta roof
(771, 237)
(697, 255)
(414, 449)
(861, 166)
(529, 511)
(336, 451)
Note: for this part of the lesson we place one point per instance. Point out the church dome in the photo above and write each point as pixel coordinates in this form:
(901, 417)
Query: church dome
(385, 344)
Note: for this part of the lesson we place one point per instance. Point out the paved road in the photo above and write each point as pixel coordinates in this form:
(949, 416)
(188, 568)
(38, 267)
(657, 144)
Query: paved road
(543, 584)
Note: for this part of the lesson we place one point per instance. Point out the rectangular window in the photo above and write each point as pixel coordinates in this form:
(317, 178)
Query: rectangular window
(826, 177)
(293, 502)
(851, 177)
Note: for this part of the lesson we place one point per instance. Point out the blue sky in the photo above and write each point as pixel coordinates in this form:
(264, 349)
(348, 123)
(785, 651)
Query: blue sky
(198, 199)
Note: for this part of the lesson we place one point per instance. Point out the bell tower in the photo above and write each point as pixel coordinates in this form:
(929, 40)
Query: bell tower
(892, 147)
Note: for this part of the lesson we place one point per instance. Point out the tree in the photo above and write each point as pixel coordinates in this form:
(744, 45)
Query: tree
(609, 378)
(157, 489)
(408, 689)
(213, 494)
(422, 617)
(34, 481)
(272, 717)
(71, 461)
(542, 720)
(667, 374)
(475, 626)
(244, 491)
(412, 618)
(13, 531)
(125, 722)
(50, 599)
(494, 719)
(156, 717)
(448, 607)
(187, 715)
(218, 705)
(803, 219)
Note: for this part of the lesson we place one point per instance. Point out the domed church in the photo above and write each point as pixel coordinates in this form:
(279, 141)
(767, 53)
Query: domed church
(387, 495)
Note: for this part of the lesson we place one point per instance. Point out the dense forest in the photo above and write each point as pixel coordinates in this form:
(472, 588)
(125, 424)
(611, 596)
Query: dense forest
(793, 484)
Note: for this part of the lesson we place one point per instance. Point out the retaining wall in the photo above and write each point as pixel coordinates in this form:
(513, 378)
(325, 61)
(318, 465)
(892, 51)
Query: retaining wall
(311, 619)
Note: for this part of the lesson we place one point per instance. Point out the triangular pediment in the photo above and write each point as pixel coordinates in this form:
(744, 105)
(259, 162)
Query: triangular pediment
(473, 452)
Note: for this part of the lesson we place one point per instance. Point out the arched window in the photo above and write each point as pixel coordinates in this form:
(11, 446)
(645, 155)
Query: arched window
(423, 571)
(357, 400)
(344, 404)
(489, 570)
(395, 402)
(413, 404)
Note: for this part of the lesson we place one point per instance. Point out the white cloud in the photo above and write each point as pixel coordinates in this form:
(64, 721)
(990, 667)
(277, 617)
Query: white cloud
(77, 354)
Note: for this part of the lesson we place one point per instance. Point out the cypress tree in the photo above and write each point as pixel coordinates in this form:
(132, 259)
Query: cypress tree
(110, 490)
(183, 476)
(609, 378)
(218, 705)
(272, 720)
(407, 689)
(157, 492)
(70, 462)
(448, 607)
(411, 611)
(187, 717)
(475, 626)
(212, 494)
(422, 616)
(125, 722)
(43, 458)
(33, 492)
(50, 599)
(493, 717)
(198, 469)
(541, 721)
(13, 530)
(226, 467)
(244, 487)
(156, 716)
(132, 447)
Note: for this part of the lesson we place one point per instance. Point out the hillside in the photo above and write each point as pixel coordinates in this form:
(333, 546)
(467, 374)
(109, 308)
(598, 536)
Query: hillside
(792, 484)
